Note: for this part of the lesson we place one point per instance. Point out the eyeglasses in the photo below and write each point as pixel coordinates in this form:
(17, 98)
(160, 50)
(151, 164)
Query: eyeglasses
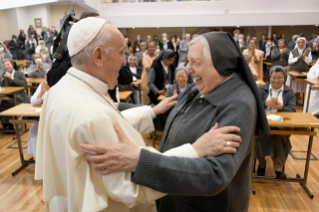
(277, 78)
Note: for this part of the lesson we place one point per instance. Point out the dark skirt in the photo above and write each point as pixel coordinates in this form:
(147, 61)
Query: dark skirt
(277, 146)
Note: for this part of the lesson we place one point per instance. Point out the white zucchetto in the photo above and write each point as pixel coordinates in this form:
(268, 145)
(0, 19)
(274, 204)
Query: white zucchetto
(82, 33)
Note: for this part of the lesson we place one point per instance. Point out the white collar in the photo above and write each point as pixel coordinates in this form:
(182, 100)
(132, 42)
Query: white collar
(97, 84)
(281, 89)
(164, 65)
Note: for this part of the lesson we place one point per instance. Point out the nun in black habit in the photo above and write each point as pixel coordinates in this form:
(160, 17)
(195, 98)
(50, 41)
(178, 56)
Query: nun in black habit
(220, 183)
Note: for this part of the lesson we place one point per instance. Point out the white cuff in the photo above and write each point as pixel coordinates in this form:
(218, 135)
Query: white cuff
(152, 112)
(192, 150)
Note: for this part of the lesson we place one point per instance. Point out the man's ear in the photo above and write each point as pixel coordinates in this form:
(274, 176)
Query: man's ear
(97, 56)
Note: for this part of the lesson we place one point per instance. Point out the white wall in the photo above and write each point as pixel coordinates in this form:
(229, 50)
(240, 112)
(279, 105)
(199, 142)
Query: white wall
(38, 11)
(4, 35)
(212, 13)
(23, 23)
(12, 22)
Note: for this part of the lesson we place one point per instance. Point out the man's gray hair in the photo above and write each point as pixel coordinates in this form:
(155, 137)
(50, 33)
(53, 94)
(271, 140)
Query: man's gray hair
(164, 34)
(206, 50)
(102, 39)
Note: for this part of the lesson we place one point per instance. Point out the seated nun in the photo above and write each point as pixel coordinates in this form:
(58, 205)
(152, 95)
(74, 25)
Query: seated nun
(39, 47)
(45, 55)
(12, 78)
(37, 99)
(181, 78)
(280, 55)
(298, 60)
(161, 74)
(86, 113)
(38, 68)
(276, 96)
(253, 71)
(314, 96)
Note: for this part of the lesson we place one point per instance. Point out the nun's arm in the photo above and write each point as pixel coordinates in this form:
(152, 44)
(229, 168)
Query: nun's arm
(291, 106)
(275, 54)
(308, 58)
(291, 59)
(151, 81)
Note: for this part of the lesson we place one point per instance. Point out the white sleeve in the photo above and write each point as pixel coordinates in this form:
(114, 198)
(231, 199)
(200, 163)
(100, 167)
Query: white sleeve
(291, 59)
(140, 118)
(308, 58)
(34, 98)
(312, 73)
(185, 150)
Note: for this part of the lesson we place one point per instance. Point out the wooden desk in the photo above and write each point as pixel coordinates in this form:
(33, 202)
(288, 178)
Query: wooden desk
(312, 86)
(31, 81)
(297, 77)
(21, 63)
(136, 86)
(124, 95)
(299, 124)
(25, 72)
(17, 111)
(11, 91)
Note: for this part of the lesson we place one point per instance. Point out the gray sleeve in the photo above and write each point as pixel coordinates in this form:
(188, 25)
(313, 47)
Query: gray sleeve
(125, 106)
(287, 54)
(151, 81)
(275, 54)
(20, 80)
(201, 176)
(291, 105)
(44, 68)
(7, 56)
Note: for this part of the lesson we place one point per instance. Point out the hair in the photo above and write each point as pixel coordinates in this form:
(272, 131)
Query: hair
(242, 35)
(206, 50)
(253, 40)
(295, 37)
(14, 65)
(236, 31)
(164, 34)
(44, 49)
(277, 70)
(88, 14)
(102, 39)
(181, 69)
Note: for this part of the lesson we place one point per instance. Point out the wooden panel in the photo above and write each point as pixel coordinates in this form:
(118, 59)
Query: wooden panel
(124, 95)
(312, 81)
(35, 80)
(10, 90)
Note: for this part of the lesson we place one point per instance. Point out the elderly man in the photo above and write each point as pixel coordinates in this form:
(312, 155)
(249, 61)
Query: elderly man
(225, 92)
(242, 43)
(86, 113)
(183, 48)
(140, 55)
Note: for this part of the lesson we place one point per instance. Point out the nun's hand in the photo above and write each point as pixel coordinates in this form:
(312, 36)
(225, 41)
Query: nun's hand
(218, 141)
(305, 54)
(299, 55)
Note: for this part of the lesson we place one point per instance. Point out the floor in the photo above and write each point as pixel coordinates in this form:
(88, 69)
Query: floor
(22, 193)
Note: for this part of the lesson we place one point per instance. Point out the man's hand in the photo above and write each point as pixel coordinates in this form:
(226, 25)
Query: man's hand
(8, 75)
(213, 143)
(121, 157)
(164, 105)
(161, 92)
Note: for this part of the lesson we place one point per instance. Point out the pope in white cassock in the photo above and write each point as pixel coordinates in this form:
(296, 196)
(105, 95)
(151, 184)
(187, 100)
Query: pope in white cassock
(77, 110)
(314, 95)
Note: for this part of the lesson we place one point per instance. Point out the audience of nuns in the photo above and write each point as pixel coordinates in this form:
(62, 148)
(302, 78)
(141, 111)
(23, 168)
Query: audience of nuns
(161, 75)
(256, 58)
(12, 78)
(4, 54)
(181, 78)
(276, 96)
(280, 55)
(314, 96)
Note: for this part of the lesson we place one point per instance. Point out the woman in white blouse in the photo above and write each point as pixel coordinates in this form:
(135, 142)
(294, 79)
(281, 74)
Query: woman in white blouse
(36, 99)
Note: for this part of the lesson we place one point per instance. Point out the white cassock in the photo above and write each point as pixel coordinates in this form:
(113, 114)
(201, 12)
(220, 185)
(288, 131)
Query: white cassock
(314, 96)
(73, 113)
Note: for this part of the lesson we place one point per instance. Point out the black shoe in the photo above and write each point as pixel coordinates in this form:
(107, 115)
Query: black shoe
(280, 175)
(261, 171)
